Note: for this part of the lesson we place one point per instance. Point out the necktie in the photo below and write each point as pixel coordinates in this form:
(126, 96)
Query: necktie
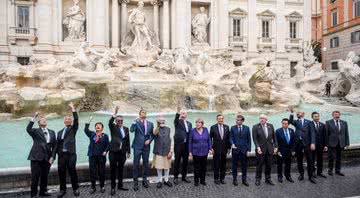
(120, 133)
(301, 123)
(337, 125)
(265, 130)
(64, 132)
(317, 126)
(186, 126)
(143, 126)
(45, 135)
(221, 131)
(287, 136)
(240, 130)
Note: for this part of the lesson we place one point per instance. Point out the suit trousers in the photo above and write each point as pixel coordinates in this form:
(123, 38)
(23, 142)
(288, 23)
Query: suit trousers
(97, 168)
(335, 153)
(317, 156)
(117, 161)
(144, 154)
(181, 159)
(200, 163)
(219, 166)
(261, 160)
(67, 163)
(309, 161)
(243, 160)
(39, 171)
(285, 159)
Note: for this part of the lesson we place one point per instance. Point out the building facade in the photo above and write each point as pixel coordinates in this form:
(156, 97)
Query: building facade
(316, 21)
(275, 29)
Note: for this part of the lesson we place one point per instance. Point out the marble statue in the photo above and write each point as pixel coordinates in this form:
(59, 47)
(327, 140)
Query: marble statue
(140, 42)
(199, 27)
(182, 61)
(201, 63)
(105, 60)
(309, 58)
(82, 58)
(75, 23)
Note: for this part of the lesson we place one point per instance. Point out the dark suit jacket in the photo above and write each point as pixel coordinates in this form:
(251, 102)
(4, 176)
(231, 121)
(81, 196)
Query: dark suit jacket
(41, 150)
(140, 136)
(303, 136)
(268, 144)
(116, 140)
(219, 145)
(319, 134)
(96, 149)
(284, 148)
(241, 141)
(69, 139)
(335, 136)
(180, 130)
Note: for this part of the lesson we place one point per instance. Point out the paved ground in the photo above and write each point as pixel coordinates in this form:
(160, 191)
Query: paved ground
(335, 186)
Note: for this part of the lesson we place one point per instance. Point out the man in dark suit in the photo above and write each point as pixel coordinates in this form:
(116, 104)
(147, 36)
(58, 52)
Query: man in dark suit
(181, 145)
(119, 150)
(66, 150)
(286, 141)
(338, 139)
(40, 155)
(318, 128)
(219, 134)
(266, 145)
(304, 144)
(143, 130)
(240, 140)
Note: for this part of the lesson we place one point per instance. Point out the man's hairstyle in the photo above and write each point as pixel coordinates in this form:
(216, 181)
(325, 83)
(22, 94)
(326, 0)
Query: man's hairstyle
(335, 112)
(219, 115)
(241, 117)
(314, 113)
(285, 119)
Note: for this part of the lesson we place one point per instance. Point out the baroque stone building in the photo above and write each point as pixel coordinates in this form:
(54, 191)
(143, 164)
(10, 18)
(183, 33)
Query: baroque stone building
(278, 30)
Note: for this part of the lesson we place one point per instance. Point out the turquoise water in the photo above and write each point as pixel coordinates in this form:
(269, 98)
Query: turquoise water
(15, 143)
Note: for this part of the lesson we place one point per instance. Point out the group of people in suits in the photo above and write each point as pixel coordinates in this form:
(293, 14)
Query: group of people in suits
(309, 139)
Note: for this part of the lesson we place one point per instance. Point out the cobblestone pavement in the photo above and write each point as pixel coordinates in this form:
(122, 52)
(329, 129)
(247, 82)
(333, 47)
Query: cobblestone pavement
(333, 186)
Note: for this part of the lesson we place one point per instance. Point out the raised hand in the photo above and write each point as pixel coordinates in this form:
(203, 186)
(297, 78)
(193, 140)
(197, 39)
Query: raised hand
(291, 109)
(72, 107)
(36, 115)
(117, 110)
(90, 119)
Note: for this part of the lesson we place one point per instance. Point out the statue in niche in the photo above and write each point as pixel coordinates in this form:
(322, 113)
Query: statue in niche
(75, 23)
(140, 42)
(199, 27)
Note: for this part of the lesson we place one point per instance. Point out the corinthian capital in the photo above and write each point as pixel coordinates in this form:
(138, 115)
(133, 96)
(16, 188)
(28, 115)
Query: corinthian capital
(155, 2)
(124, 1)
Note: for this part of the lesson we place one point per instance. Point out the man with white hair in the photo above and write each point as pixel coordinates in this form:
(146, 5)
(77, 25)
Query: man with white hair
(266, 145)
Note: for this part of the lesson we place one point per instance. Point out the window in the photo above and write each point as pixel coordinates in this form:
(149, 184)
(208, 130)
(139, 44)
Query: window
(334, 65)
(293, 29)
(355, 37)
(265, 29)
(334, 17)
(23, 60)
(334, 42)
(293, 68)
(332, 1)
(236, 27)
(23, 16)
(356, 5)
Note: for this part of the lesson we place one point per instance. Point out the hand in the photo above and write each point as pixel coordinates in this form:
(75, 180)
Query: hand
(346, 147)
(293, 153)
(51, 160)
(275, 150)
(291, 109)
(116, 110)
(228, 152)
(104, 153)
(147, 142)
(259, 151)
(247, 153)
(325, 148)
(90, 119)
(279, 154)
(128, 155)
(312, 147)
(233, 146)
(211, 151)
(169, 156)
(36, 115)
(190, 156)
(178, 108)
(72, 107)
(137, 119)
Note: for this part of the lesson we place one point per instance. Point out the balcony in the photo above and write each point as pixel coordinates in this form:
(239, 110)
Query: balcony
(238, 42)
(265, 43)
(22, 33)
(293, 44)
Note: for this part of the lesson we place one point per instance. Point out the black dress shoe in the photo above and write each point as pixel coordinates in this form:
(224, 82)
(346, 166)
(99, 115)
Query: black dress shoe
(257, 182)
(186, 180)
(321, 175)
(168, 183)
(76, 193)
(136, 185)
(312, 180)
(196, 183)
(159, 185)
(122, 189)
(290, 179)
(176, 181)
(314, 175)
(330, 173)
(112, 192)
(145, 184)
(245, 183)
(102, 189)
(92, 190)
(217, 182)
(269, 182)
(301, 177)
(61, 194)
(280, 180)
(235, 182)
(45, 194)
(203, 183)
(222, 181)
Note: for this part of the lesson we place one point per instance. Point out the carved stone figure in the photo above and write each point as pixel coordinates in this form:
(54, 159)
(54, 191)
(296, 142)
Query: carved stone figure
(309, 58)
(74, 22)
(199, 27)
(82, 58)
(182, 61)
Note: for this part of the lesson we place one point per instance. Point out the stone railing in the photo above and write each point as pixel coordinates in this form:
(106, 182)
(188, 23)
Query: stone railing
(22, 33)
(238, 41)
(266, 43)
(294, 43)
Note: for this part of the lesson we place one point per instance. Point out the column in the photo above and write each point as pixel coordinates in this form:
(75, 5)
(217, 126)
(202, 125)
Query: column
(115, 24)
(155, 4)
(223, 8)
(123, 17)
(166, 25)
(307, 22)
(281, 29)
(180, 23)
(100, 23)
(252, 36)
(44, 22)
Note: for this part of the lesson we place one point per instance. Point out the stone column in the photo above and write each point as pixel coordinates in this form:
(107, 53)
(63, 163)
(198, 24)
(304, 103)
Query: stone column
(281, 26)
(252, 19)
(115, 24)
(155, 4)
(166, 25)
(124, 17)
(100, 23)
(44, 22)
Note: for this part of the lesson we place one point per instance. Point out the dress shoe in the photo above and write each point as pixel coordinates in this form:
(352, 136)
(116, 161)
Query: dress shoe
(222, 181)
(257, 182)
(92, 190)
(102, 189)
(76, 193)
(45, 194)
(122, 189)
(186, 180)
(217, 182)
(280, 180)
(112, 192)
(312, 180)
(290, 179)
(145, 183)
(235, 182)
(330, 173)
(136, 186)
(301, 177)
(203, 183)
(321, 175)
(339, 173)
(168, 183)
(269, 182)
(196, 183)
(245, 183)
(61, 194)
(159, 185)
(176, 181)
(314, 175)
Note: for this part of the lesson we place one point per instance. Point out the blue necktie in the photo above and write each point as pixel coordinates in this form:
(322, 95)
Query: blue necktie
(287, 137)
